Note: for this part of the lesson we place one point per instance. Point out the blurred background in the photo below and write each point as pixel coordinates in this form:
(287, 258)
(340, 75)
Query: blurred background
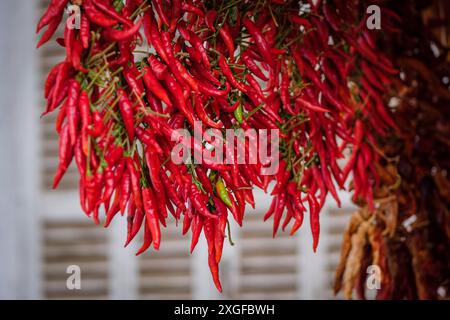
(43, 231)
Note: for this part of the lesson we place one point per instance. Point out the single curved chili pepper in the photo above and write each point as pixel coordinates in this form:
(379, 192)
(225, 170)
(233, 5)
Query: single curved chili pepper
(97, 127)
(223, 65)
(65, 155)
(77, 52)
(260, 41)
(197, 43)
(176, 14)
(113, 211)
(151, 216)
(159, 69)
(71, 107)
(280, 206)
(209, 230)
(135, 183)
(178, 70)
(85, 31)
(187, 7)
(177, 92)
(203, 116)
(155, 39)
(251, 65)
(121, 35)
(314, 220)
(210, 18)
(224, 33)
(308, 105)
(137, 221)
(126, 109)
(197, 200)
(196, 227)
(148, 239)
(112, 13)
(125, 191)
(210, 90)
(204, 180)
(159, 6)
(152, 84)
(187, 221)
(130, 217)
(80, 158)
(220, 227)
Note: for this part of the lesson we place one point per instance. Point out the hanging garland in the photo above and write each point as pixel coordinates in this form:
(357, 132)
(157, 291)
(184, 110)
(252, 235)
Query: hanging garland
(407, 237)
(137, 72)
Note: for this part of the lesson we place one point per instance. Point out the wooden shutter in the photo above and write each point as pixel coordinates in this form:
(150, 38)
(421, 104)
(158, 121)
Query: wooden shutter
(82, 244)
(268, 267)
(166, 274)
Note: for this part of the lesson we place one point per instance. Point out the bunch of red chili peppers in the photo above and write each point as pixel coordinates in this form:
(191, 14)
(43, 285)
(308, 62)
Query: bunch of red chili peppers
(138, 70)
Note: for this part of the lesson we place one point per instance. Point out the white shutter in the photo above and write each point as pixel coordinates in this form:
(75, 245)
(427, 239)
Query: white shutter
(80, 244)
(166, 274)
(268, 267)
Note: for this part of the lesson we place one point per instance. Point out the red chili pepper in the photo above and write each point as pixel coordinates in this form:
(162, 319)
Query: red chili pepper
(151, 216)
(178, 70)
(220, 227)
(148, 239)
(48, 34)
(54, 10)
(177, 93)
(159, 69)
(314, 220)
(97, 17)
(152, 84)
(203, 116)
(224, 33)
(135, 183)
(251, 65)
(126, 109)
(199, 203)
(65, 155)
(209, 90)
(113, 211)
(260, 41)
(125, 191)
(97, 128)
(121, 35)
(171, 192)
(197, 227)
(85, 31)
(159, 6)
(112, 13)
(71, 107)
(209, 230)
(197, 43)
(223, 65)
(187, 7)
(210, 18)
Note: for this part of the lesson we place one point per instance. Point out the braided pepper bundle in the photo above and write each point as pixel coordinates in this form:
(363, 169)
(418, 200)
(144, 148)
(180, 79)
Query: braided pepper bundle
(407, 236)
(138, 72)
